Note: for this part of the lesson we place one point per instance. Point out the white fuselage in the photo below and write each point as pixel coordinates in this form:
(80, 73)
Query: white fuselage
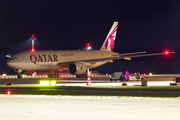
(57, 59)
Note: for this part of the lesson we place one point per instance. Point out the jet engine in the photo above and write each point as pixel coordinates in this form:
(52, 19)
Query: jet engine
(76, 68)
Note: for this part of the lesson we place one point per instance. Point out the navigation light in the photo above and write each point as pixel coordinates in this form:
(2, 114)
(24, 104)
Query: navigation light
(166, 52)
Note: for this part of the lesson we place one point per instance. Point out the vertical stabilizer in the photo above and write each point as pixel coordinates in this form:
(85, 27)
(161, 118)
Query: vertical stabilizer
(109, 42)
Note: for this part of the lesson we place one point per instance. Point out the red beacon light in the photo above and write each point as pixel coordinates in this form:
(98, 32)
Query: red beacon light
(8, 92)
(88, 47)
(32, 50)
(87, 44)
(32, 39)
(32, 35)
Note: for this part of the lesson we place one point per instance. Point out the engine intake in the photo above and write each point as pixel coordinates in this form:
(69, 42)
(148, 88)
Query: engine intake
(76, 68)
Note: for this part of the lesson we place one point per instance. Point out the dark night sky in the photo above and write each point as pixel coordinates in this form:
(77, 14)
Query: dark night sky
(62, 24)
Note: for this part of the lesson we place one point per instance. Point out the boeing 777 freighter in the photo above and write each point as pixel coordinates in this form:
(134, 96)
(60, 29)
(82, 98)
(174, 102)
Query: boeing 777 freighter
(74, 61)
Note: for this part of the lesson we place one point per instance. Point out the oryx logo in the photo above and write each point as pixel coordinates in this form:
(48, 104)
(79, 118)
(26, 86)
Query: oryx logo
(111, 39)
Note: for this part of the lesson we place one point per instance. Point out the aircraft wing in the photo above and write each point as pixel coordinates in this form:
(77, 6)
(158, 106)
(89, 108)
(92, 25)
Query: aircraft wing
(127, 56)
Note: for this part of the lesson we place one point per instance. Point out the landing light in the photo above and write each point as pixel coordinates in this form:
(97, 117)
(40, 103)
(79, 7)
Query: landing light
(9, 56)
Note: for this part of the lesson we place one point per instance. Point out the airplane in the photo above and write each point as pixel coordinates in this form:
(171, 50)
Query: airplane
(74, 61)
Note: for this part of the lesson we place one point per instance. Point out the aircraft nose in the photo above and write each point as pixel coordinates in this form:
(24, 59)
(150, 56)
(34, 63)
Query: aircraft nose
(11, 64)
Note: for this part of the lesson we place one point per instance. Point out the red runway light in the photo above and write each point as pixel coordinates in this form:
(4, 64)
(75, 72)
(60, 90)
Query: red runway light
(8, 92)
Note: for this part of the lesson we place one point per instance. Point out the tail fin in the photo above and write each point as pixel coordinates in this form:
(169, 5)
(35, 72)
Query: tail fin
(109, 42)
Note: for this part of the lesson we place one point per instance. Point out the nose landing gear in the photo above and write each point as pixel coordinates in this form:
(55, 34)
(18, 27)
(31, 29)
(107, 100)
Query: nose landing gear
(19, 76)
(19, 73)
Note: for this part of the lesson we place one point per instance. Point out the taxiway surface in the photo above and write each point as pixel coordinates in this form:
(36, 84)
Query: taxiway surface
(48, 107)
(21, 107)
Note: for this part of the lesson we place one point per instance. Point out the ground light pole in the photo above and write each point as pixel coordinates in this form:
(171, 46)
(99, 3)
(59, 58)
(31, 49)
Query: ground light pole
(32, 49)
(88, 47)
(32, 38)
(88, 77)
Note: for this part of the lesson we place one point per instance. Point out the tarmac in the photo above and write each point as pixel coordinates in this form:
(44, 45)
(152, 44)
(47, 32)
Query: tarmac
(44, 107)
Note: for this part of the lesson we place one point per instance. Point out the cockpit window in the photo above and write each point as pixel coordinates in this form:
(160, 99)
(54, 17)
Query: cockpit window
(13, 58)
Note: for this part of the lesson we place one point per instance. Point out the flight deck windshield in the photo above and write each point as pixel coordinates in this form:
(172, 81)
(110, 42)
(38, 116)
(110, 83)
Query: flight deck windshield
(13, 58)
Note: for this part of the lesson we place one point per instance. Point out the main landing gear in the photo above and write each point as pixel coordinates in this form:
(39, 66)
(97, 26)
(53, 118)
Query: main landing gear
(53, 74)
(82, 76)
(85, 75)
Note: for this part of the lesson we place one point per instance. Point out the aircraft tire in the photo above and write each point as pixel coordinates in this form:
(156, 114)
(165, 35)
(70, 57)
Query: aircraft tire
(19, 76)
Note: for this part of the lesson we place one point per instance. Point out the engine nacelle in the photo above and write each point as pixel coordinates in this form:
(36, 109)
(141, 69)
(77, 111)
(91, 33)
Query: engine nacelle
(76, 68)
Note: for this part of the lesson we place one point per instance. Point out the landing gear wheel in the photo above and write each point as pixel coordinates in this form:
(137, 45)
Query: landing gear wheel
(82, 76)
(19, 76)
(53, 75)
